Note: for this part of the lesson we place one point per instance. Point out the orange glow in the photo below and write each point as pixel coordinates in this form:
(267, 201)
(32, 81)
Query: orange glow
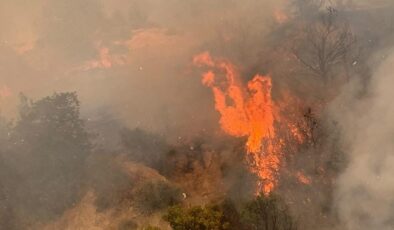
(249, 111)
(5, 92)
(292, 109)
(24, 47)
(280, 16)
(302, 178)
(105, 60)
(296, 133)
(245, 111)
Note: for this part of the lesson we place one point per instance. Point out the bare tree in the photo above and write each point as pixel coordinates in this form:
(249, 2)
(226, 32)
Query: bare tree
(324, 44)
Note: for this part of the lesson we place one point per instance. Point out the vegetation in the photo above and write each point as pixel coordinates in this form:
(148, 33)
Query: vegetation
(262, 213)
(112, 186)
(267, 213)
(326, 43)
(46, 149)
(154, 196)
(128, 225)
(48, 161)
(144, 147)
(196, 218)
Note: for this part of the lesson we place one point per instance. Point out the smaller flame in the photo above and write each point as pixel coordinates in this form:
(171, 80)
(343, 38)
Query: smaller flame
(105, 60)
(296, 133)
(280, 16)
(303, 178)
(5, 91)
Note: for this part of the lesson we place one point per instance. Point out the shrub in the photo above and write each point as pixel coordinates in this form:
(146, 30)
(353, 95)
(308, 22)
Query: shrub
(267, 213)
(154, 196)
(196, 218)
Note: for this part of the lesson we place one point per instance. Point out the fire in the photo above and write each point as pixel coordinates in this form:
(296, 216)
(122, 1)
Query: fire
(280, 16)
(245, 112)
(302, 178)
(248, 110)
(5, 92)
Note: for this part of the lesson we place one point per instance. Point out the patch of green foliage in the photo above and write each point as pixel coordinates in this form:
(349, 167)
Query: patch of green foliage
(157, 195)
(196, 218)
(45, 151)
(262, 213)
(267, 213)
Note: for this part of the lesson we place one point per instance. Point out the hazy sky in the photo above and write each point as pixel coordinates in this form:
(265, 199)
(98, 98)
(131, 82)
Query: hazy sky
(128, 57)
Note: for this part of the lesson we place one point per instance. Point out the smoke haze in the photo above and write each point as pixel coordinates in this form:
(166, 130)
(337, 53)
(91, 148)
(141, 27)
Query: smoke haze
(130, 64)
(365, 190)
(131, 58)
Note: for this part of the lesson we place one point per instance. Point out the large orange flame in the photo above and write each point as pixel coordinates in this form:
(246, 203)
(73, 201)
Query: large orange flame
(245, 111)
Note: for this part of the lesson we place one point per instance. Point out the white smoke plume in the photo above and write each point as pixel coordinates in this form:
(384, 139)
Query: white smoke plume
(365, 194)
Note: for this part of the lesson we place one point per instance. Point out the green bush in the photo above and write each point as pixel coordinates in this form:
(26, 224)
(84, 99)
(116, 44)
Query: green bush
(267, 213)
(196, 218)
(155, 196)
(231, 215)
(45, 152)
(262, 213)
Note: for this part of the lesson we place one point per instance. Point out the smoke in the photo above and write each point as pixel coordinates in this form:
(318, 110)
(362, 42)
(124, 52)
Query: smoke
(130, 63)
(364, 195)
(130, 57)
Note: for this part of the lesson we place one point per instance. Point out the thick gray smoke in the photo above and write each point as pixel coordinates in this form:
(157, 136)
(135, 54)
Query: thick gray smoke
(365, 194)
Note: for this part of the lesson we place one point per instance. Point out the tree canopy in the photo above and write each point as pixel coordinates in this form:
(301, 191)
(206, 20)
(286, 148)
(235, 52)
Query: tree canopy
(47, 148)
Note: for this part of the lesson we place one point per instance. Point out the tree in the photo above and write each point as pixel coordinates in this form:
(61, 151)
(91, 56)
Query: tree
(325, 43)
(307, 8)
(7, 178)
(267, 213)
(231, 215)
(310, 8)
(48, 149)
(196, 218)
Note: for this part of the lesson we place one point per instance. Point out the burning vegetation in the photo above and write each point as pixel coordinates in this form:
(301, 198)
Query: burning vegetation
(260, 115)
(250, 112)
